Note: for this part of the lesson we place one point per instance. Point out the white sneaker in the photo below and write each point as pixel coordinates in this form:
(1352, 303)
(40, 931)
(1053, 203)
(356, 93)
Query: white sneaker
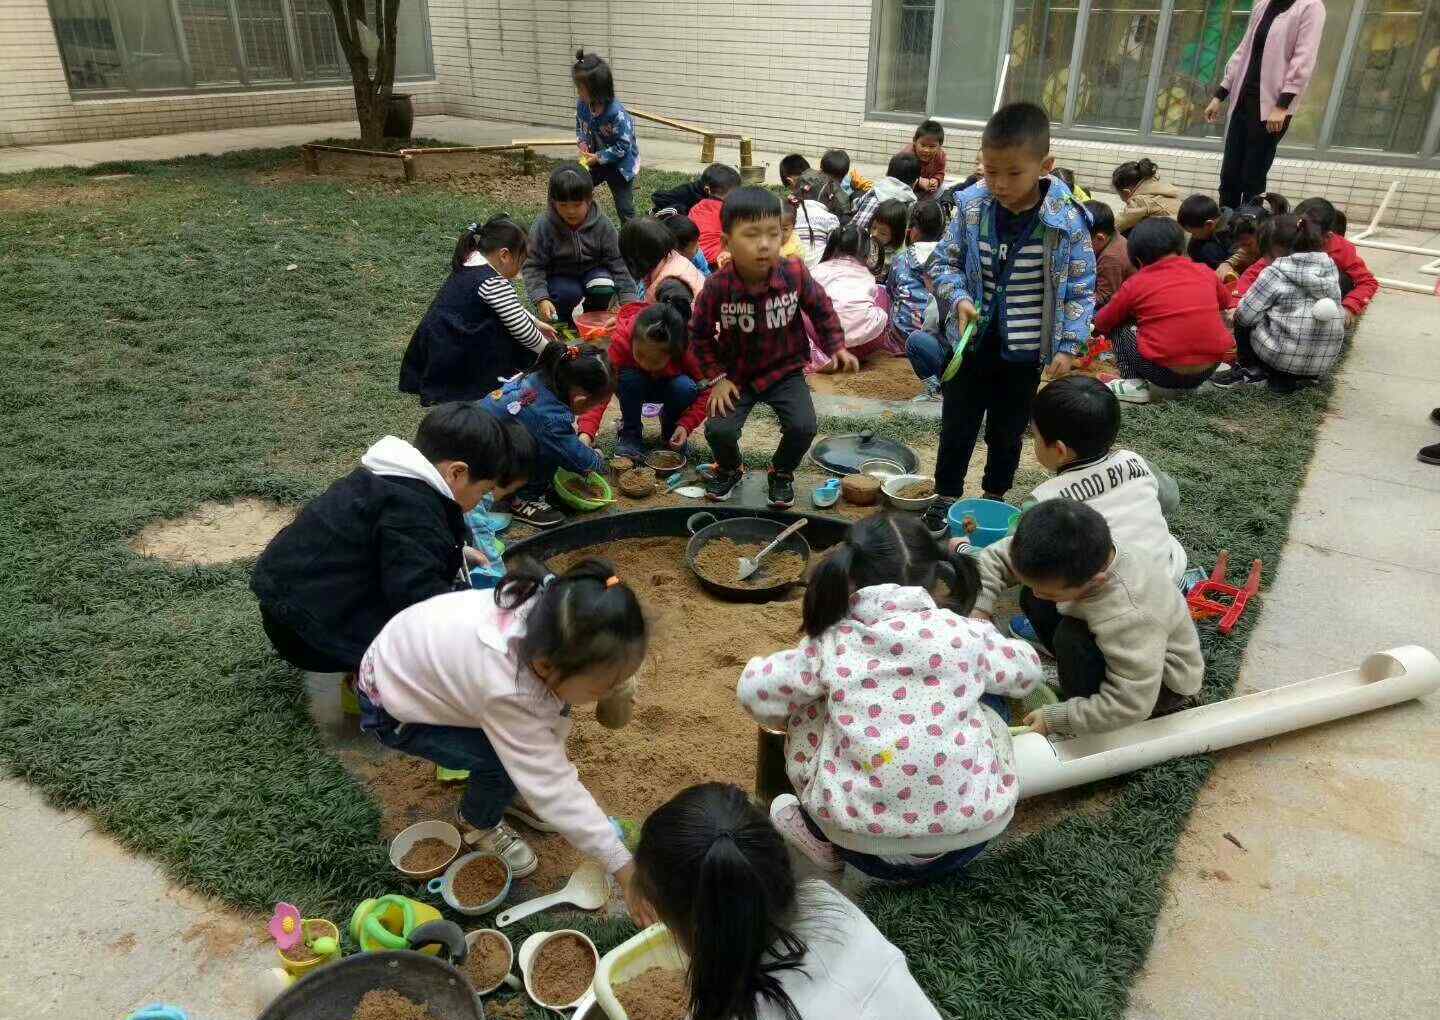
(501, 840)
(1131, 391)
(785, 816)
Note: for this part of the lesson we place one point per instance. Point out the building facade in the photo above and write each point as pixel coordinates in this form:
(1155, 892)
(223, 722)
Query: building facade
(1121, 78)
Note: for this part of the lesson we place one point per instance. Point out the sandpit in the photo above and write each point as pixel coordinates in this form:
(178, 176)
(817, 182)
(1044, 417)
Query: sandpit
(214, 532)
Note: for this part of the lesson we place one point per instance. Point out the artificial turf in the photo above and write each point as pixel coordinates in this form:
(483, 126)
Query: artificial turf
(161, 352)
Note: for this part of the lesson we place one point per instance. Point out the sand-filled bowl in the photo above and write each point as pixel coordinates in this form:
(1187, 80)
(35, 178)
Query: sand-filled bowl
(481, 888)
(664, 462)
(590, 493)
(653, 949)
(412, 843)
(637, 483)
(484, 969)
(910, 492)
(554, 965)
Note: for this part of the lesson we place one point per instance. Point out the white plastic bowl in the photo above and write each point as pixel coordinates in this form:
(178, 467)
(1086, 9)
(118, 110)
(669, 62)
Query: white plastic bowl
(406, 839)
(530, 948)
(892, 486)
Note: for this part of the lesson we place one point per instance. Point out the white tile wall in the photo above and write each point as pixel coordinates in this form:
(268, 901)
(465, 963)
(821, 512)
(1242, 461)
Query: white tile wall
(38, 108)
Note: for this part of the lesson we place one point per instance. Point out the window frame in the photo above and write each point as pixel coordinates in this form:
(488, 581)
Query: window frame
(295, 82)
(1143, 133)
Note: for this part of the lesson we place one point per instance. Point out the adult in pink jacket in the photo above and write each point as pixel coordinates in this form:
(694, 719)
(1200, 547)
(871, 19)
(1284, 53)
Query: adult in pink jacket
(1264, 81)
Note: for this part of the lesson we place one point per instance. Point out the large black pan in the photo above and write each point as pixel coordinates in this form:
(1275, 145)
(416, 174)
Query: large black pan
(705, 528)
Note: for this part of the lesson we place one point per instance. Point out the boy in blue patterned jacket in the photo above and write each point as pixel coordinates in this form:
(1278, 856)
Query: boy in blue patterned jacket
(1017, 261)
(605, 132)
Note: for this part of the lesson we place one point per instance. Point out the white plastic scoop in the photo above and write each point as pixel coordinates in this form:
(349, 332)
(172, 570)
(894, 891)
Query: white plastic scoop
(749, 566)
(587, 889)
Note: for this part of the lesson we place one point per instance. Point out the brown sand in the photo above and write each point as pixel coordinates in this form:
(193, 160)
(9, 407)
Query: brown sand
(918, 490)
(510, 1009)
(637, 483)
(488, 963)
(479, 881)
(883, 377)
(688, 727)
(302, 953)
(664, 460)
(563, 970)
(406, 789)
(214, 532)
(656, 994)
(719, 561)
(384, 1004)
(427, 855)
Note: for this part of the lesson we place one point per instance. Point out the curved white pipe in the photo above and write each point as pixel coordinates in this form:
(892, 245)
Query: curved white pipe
(1385, 678)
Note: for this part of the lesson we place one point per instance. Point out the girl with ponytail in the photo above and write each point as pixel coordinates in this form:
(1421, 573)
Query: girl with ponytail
(896, 737)
(604, 132)
(476, 333)
(567, 382)
(1138, 183)
(484, 681)
(761, 946)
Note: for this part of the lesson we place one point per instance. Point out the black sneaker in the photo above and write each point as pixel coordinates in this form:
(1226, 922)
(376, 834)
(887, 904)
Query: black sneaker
(1429, 454)
(1237, 375)
(538, 513)
(937, 518)
(720, 485)
(782, 491)
(1435, 416)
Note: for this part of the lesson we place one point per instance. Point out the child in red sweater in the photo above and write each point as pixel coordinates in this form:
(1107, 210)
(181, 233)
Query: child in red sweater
(717, 180)
(1176, 304)
(928, 147)
(652, 362)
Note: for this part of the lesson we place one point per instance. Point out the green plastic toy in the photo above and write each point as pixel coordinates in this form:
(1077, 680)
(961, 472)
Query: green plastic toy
(959, 354)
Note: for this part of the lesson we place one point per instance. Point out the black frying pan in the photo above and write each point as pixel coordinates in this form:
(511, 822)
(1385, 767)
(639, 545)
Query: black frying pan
(740, 530)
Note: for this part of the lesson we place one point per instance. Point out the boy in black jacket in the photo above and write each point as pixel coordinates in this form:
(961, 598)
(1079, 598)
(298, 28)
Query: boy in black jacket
(389, 534)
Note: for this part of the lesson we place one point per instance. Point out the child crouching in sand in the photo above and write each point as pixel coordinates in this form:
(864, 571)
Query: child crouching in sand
(901, 771)
(484, 681)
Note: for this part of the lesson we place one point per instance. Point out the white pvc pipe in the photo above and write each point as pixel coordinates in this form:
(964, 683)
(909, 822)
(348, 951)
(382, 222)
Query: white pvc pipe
(1379, 212)
(1405, 285)
(1385, 678)
(1000, 89)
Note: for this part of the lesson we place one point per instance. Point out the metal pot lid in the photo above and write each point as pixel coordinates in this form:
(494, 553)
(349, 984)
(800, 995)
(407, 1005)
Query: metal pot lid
(843, 455)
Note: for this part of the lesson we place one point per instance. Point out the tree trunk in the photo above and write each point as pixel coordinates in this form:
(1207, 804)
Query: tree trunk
(371, 91)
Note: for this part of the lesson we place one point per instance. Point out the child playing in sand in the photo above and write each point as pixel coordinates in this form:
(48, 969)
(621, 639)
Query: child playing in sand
(1243, 233)
(1289, 326)
(568, 382)
(749, 334)
(718, 181)
(1201, 217)
(760, 944)
(862, 305)
(1175, 305)
(1145, 194)
(476, 332)
(1124, 644)
(928, 146)
(687, 239)
(1020, 248)
(887, 235)
(604, 132)
(574, 256)
(652, 362)
(652, 257)
(1112, 253)
(484, 681)
(389, 534)
(898, 183)
(911, 303)
(901, 771)
(816, 192)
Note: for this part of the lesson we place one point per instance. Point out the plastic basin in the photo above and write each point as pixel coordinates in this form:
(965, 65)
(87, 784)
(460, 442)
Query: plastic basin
(444, 885)
(566, 487)
(992, 520)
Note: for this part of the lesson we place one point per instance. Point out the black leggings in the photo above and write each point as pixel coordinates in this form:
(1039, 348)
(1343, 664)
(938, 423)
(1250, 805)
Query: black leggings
(294, 649)
(1249, 152)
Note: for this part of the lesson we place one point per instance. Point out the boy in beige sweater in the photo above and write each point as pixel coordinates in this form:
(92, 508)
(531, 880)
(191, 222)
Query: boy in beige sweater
(1120, 630)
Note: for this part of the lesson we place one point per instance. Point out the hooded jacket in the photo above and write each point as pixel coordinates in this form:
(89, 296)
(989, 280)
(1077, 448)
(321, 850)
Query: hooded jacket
(1151, 197)
(386, 536)
(1363, 285)
(909, 296)
(1294, 313)
(887, 188)
(622, 359)
(887, 743)
(557, 250)
(815, 186)
(851, 289)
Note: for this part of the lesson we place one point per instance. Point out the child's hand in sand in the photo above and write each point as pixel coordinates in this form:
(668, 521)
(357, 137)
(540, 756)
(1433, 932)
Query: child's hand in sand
(1036, 721)
(846, 362)
(678, 437)
(722, 397)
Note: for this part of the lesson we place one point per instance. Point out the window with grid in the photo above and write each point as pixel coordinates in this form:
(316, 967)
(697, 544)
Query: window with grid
(1394, 72)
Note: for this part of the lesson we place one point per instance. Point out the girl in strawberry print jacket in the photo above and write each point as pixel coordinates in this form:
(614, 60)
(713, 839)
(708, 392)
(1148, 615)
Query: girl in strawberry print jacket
(901, 770)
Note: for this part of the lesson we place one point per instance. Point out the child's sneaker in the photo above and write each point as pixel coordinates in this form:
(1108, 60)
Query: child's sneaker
(722, 484)
(538, 513)
(1022, 628)
(931, 393)
(502, 841)
(1237, 375)
(785, 816)
(782, 490)
(1131, 391)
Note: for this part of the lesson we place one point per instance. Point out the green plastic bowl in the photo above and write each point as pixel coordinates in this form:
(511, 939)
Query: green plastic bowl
(564, 485)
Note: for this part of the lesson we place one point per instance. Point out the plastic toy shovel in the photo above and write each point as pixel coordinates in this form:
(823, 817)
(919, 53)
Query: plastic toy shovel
(959, 354)
(587, 889)
(749, 566)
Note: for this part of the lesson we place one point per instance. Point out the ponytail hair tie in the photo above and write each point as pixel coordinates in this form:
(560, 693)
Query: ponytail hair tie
(611, 581)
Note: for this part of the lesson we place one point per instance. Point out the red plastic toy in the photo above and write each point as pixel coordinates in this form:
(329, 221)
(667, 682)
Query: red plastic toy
(1202, 607)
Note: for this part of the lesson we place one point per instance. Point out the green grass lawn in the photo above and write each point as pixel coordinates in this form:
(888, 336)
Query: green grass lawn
(160, 353)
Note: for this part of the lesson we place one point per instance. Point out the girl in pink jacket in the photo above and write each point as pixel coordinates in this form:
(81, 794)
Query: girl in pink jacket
(484, 681)
(862, 304)
(902, 771)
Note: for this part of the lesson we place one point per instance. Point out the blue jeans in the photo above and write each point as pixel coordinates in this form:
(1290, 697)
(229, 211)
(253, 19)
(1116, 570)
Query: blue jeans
(566, 291)
(876, 867)
(636, 389)
(927, 355)
(620, 188)
(489, 790)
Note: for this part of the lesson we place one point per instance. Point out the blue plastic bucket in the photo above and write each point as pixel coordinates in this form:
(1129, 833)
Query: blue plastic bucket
(992, 520)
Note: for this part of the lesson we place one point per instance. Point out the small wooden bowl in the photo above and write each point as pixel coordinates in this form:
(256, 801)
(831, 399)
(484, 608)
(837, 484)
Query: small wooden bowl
(860, 490)
(638, 483)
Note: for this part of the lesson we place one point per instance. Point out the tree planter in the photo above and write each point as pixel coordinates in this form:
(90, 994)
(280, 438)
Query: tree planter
(399, 116)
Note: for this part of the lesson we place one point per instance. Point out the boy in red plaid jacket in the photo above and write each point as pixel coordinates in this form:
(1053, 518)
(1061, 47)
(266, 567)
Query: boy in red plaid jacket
(749, 336)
